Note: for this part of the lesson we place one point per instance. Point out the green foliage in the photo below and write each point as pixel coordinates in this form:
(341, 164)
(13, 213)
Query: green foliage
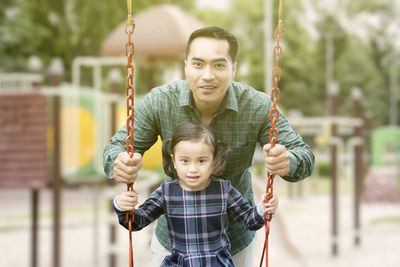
(324, 169)
(357, 62)
(372, 6)
(65, 28)
(386, 220)
(70, 28)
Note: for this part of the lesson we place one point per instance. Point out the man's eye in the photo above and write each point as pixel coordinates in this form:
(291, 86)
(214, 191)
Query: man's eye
(220, 66)
(197, 64)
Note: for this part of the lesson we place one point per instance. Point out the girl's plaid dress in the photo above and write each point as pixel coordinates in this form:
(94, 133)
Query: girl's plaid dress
(197, 221)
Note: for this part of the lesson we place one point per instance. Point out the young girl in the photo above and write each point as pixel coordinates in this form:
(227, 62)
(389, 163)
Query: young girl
(196, 204)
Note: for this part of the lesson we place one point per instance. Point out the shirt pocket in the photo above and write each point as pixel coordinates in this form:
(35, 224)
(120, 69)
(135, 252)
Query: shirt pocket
(239, 159)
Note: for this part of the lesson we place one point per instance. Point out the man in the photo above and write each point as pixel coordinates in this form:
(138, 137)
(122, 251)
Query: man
(237, 113)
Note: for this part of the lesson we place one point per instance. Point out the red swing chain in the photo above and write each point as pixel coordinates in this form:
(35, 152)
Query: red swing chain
(273, 132)
(130, 101)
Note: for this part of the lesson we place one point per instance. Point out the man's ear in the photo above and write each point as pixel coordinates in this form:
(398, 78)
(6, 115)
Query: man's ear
(185, 61)
(234, 68)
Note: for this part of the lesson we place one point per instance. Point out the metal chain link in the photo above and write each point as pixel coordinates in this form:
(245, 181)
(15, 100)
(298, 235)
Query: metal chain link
(273, 131)
(130, 102)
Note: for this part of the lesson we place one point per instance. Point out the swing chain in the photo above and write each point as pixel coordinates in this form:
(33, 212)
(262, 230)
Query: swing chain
(129, 73)
(275, 95)
(130, 101)
(274, 118)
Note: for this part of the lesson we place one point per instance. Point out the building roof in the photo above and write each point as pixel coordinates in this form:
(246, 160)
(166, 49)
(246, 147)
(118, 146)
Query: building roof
(161, 33)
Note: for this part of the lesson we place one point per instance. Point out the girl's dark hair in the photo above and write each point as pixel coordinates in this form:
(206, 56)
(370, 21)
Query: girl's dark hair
(189, 131)
(217, 33)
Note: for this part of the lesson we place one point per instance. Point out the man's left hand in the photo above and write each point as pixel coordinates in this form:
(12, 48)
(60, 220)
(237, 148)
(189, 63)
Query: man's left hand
(277, 160)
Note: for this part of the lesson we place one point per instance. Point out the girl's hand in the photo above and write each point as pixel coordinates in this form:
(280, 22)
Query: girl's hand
(272, 205)
(127, 200)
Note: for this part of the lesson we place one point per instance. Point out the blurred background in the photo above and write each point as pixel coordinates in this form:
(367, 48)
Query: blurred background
(62, 96)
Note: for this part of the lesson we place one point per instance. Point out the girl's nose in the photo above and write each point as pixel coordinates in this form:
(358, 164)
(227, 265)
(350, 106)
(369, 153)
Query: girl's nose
(193, 168)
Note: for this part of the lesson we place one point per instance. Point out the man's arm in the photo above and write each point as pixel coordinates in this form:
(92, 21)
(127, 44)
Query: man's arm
(291, 158)
(116, 161)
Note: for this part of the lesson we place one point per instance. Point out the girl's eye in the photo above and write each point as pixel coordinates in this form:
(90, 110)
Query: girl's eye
(220, 66)
(185, 161)
(202, 161)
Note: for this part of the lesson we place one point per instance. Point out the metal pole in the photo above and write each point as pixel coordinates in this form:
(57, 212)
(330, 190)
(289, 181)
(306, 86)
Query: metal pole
(329, 64)
(393, 95)
(56, 182)
(35, 219)
(56, 70)
(115, 79)
(358, 165)
(35, 66)
(333, 92)
(96, 217)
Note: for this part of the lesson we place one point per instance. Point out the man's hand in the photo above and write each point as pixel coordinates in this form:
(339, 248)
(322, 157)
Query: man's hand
(277, 160)
(127, 200)
(126, 169)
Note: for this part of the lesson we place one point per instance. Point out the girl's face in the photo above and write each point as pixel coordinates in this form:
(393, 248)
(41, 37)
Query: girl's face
(193, 162)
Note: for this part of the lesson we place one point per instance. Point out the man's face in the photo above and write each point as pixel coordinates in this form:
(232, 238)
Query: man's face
(209, 70)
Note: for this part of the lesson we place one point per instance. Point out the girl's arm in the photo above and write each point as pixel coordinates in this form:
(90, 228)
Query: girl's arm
(251, 218)
(148, 212)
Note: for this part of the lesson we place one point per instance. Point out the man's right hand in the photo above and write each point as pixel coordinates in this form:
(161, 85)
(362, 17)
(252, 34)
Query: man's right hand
(126, 169)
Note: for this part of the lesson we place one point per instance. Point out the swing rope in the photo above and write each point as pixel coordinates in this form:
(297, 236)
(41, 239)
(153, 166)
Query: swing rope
(130, 91)
(273, 132)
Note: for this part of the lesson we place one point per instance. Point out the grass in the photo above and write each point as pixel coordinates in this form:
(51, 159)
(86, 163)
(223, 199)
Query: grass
(313, 185)
(85, 214)
(386, 220)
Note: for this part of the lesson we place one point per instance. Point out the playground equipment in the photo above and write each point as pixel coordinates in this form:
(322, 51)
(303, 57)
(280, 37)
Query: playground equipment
(26, 148)
(386, 146)
(332, 128)
(382, 183)
(49, 132)
(161, 40)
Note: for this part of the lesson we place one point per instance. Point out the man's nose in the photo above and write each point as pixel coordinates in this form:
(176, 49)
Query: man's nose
(208, 73)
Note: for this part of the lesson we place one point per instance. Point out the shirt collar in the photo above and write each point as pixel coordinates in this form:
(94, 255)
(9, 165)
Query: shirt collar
(230, 101)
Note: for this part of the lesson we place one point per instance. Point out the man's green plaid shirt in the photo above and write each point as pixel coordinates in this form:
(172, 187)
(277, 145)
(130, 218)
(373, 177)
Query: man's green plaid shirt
(242, 121)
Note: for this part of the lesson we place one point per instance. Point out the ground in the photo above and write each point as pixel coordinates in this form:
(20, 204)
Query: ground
(300, 232)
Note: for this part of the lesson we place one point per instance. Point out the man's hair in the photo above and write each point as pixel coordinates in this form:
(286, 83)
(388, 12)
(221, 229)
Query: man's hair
(218, 34)
(196, 132)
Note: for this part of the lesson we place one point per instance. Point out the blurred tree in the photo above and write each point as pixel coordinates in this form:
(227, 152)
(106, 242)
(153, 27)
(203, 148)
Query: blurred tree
(64, 28)
(302, 76)
(69, 28)
(357, 60)
(361, 42)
